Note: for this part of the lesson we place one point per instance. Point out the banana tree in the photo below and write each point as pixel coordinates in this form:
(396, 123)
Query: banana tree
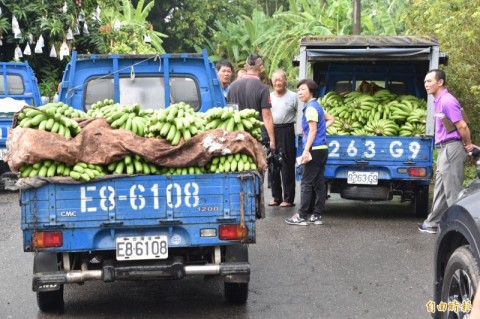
(237, 39)
(126, 27)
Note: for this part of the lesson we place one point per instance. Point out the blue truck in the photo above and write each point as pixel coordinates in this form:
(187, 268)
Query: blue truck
(376, 167)
(143, 227)
(18, 87)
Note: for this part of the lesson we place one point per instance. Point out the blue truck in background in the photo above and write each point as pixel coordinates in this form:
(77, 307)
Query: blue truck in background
(18, 87)
(376, 167)
(153, 227)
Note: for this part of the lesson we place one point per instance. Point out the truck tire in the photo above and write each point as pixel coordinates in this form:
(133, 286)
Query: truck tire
(48, 301)
(236, 287)
(420, 201)
(236, 293)
(462, 274)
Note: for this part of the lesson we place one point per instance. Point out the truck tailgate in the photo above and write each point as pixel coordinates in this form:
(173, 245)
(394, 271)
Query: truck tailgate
(91, 215)
(382, 154)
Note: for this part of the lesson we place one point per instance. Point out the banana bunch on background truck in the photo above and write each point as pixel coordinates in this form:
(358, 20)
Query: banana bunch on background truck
(382, 113)
(52, 117)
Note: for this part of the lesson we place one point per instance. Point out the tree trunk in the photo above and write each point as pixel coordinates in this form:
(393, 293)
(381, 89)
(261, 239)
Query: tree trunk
(356, 14)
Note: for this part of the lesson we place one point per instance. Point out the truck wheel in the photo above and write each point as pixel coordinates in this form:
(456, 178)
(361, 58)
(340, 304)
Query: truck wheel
(236, 292)
(48, 301)
(421, 201)
(51, 301)
(460, 280)
(236, 286)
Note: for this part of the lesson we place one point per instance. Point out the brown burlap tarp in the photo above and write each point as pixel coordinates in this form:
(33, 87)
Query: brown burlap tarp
(98, 143)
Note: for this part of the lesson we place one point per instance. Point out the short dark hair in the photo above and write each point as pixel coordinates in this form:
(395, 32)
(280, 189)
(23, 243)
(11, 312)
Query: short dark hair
(439, 75)
(223, 62)
(311, 85)
(254, 59)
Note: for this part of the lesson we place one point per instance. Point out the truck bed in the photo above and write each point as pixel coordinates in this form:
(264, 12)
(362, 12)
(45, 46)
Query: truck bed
(91, 215)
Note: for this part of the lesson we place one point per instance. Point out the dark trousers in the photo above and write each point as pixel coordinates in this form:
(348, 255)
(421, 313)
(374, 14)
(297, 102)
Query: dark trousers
(313, 184)
(285, 143)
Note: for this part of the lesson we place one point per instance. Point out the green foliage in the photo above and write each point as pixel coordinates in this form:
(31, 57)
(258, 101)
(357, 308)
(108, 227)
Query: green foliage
(237, 39)
(455, 24)
(4, 25)
(133, 27)
(470, 173)
(277, 37)
(189, 23)
(48, 19)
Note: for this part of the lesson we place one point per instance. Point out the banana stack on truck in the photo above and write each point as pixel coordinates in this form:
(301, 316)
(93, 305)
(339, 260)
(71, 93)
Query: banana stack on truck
(18, 87)
(139, 172)
(382, 141)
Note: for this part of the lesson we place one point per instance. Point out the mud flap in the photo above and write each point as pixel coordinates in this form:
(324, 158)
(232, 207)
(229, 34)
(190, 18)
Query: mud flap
(45, 262)
(237, 253)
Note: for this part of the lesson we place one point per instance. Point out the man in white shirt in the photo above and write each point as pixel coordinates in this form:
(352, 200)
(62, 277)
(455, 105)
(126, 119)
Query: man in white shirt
(284, 113)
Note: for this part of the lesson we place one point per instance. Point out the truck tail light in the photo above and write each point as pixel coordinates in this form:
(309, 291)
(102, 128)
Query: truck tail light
(232, 232)
(47, 239)
(417, 171)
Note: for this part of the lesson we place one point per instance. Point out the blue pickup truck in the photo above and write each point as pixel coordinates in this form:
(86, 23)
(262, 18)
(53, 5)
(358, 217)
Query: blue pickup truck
(363, 167)
(18, 87)
(143, 227)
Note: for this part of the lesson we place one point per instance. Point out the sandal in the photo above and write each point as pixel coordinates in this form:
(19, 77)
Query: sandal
(273, 203)
(287, 204)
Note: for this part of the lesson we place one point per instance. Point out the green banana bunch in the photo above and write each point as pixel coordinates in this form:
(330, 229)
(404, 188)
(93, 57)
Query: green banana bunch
(127, 117)
(229, 119)
(97, 108)
(412, 129)
(52, 117)
(49, 168)
(384, 96)
(231, 163)
(331, 100)
(382, 128)
(192, 170)
(364, 113)
(85, 171)
(133, 164)
(418, 116)
(177, 121)
(362, 132)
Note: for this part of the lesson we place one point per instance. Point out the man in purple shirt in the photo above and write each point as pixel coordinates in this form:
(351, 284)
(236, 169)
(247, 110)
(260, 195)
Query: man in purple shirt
(452, 140)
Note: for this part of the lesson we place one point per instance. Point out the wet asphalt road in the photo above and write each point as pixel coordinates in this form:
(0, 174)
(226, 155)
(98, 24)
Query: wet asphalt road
(367, 261)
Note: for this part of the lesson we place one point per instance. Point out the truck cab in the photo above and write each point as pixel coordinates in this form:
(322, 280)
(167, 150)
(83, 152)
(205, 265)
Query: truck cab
(153, 81)
(18, 87)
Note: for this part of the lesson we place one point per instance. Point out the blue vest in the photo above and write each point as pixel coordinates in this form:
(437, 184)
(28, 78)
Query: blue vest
(321, 137)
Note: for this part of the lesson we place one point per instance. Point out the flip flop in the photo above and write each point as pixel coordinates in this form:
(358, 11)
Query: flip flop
(286, 204)
(273, 203)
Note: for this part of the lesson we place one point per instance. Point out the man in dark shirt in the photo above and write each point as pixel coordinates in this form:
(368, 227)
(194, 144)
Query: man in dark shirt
(250, 92)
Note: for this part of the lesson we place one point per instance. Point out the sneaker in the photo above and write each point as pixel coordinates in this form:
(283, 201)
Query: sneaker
(316, 220)
(296, 220)
(425, 229)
